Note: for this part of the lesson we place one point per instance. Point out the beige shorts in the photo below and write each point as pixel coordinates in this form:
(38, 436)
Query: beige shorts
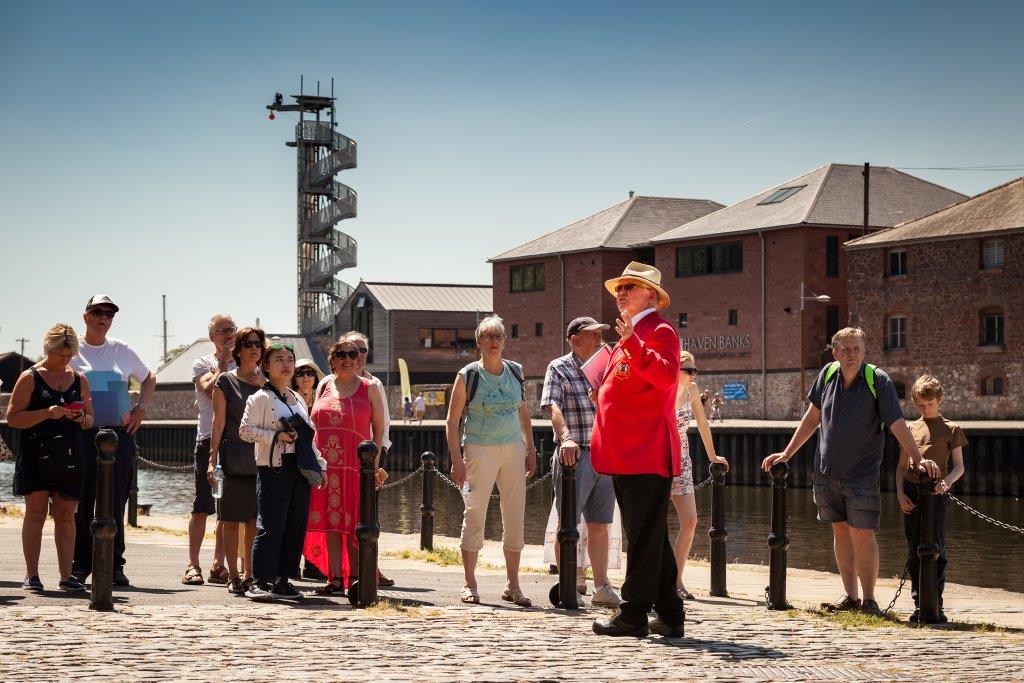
(504, 465)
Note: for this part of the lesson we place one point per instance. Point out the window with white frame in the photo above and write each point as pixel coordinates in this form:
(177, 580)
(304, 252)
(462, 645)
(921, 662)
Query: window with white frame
(992, 386)
(991, 327)
(991, 254)
(897, 336)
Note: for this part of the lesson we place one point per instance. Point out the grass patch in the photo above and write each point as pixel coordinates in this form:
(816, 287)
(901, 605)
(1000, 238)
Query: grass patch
(851, 621)
(388, 607)
(442, 556)
(11, 510)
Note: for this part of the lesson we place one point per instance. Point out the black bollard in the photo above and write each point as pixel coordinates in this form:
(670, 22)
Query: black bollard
(928, 551)
(429, 461)
(104, 528)
(133, 495)
(363, 591)
(717, 532)
(778, 541)
(563, 594)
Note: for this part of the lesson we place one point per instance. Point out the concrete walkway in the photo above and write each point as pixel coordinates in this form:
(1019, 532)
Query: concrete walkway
(164, 630)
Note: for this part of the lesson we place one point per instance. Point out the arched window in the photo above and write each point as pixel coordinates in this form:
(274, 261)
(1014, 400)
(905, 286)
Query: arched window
(991, 326)
(362, 320)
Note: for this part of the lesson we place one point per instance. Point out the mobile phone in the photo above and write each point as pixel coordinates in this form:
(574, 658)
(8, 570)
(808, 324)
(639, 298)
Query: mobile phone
(76, 405)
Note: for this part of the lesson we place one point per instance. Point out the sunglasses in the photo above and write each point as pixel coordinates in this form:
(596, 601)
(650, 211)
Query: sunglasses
(305, 373)
(102, 313)
(689, 371)
(492, 337)
(628, 287)
(345, 354)
(226, 330)
(251, 344)
(277, 346)
(362, 349)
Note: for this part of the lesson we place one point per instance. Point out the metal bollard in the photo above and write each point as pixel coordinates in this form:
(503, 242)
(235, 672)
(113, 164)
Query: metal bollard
(928, 551)
(778, 541)
(104, 528)
(429, 461)
(363, 591)
(563, 594)
(717, 532)
(133, 495)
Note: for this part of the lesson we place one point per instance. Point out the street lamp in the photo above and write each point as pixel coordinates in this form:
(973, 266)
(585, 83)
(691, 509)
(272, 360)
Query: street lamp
(821, 299)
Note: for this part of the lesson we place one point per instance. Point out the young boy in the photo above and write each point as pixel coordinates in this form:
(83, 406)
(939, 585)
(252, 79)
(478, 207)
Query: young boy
(939, 440)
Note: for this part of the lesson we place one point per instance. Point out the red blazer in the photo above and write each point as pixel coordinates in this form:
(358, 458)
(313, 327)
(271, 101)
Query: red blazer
(635, 428)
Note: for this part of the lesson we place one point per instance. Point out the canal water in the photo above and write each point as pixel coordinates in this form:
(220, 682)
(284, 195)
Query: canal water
(979, 553)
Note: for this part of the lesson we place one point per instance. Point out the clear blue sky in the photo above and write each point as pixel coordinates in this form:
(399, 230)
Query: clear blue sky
(138, 159)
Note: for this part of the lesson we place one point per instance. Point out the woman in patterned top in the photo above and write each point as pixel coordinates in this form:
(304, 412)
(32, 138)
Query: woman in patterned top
(688, 406)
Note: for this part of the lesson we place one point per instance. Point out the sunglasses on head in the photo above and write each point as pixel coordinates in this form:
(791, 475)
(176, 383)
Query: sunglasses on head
(226, 330)
(627, 287)
(345, 354)
(251, 344)
(689, 371)
(362, 349)
(102, 313)
(305, 373)
(277, 346)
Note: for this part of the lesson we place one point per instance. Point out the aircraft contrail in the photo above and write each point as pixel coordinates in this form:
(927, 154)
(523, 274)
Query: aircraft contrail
(773, 113)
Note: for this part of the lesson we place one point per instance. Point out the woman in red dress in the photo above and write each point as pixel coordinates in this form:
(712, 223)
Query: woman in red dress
(345, 413)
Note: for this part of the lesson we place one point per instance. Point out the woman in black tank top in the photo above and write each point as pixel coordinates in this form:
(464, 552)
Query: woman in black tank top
(50, 402)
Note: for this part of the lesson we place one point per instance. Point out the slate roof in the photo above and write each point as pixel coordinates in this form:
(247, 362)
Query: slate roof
(408, 296)
(830, 195)
(179, 370)
(628, 224)
(998, 210)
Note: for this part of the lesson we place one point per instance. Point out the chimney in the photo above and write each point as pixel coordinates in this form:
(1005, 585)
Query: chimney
(631, 193)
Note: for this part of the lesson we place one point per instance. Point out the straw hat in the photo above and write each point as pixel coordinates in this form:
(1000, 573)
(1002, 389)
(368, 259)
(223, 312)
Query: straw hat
(644, 275)
(304, 362)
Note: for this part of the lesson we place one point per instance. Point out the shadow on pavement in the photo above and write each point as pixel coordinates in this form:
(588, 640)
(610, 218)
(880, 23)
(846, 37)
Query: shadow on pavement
(729, 650)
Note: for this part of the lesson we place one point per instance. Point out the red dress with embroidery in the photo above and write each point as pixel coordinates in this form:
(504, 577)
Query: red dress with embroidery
(341, 424)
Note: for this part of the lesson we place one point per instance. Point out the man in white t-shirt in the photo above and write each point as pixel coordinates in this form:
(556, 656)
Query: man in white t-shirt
(205, 371)
(109, 364)
(419, 407)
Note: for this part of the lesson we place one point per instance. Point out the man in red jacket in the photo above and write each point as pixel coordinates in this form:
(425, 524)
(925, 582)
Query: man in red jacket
(635, 440)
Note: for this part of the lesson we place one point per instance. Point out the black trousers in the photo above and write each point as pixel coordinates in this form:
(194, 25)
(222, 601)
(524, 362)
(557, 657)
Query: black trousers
(912, 529)
(650, 564)
(282, 499)
(124, 472)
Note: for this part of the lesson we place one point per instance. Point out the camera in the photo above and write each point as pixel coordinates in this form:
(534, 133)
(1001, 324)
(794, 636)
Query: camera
(291, 423)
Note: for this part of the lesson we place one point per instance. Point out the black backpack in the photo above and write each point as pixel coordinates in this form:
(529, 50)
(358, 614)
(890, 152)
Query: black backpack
(473, 378)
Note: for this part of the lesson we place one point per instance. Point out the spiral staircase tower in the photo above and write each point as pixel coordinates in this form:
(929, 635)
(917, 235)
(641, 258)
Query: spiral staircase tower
(323, 249)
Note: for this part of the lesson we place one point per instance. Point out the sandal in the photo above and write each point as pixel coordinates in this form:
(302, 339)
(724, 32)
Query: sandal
(684, 594)
(470, 596)
(193, 576)
(219, 575)
(581, 588)
(516, 597)
(334, 587)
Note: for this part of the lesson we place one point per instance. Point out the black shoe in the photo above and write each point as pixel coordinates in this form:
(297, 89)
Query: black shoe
(871, 608)
(284, 590)
(915, 618)
(80, 576)
(660, 628)
(617, 626)
(847, 604)
(72, 585)
(235, 586)
(120, 579)
(311, 571)
(33, 583)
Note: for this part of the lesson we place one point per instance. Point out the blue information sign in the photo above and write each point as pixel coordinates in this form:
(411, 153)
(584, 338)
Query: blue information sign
(734, 391)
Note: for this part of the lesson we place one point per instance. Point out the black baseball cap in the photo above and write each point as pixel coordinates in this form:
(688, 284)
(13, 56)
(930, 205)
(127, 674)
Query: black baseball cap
(585, 323)
(101, 300)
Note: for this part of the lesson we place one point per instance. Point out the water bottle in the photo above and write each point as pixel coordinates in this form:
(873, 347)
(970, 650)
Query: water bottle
(466, 488)
(218, 482)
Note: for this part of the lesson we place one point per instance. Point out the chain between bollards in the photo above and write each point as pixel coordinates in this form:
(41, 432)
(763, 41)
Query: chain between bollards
(778, 541)
(363, 592)
(429, 468)
(104, 528)
(717, 531)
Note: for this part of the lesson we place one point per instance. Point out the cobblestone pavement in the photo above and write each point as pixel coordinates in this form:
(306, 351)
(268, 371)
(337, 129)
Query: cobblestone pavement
(332, 641)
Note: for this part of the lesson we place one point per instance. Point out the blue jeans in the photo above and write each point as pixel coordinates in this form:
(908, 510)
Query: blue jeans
(282, 504)
(124, 472)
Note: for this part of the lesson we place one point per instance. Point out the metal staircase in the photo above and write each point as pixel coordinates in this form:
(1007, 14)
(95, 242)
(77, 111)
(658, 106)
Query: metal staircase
(323, 249)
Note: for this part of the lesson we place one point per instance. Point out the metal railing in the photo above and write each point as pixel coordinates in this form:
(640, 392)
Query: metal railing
(322, 318)
(344, 207)
(341, 256)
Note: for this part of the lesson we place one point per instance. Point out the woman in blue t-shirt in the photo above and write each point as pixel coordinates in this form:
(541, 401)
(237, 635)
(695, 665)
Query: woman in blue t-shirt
(490, 437)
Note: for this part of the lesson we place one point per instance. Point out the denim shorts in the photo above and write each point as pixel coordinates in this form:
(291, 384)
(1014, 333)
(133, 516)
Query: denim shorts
(858, 502)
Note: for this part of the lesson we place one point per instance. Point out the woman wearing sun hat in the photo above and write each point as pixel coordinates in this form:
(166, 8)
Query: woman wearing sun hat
(636, 442)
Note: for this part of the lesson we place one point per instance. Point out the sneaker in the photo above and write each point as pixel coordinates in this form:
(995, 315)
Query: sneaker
(915, 618)
(259, 591)
(607, 596)
(120, 579)
(33, 583)
(847, 604)
(871, 607)
(72, 585)
(284, 590)
(235, 586)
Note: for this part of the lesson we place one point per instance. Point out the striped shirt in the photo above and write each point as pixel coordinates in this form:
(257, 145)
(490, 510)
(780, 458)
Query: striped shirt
(566, 387)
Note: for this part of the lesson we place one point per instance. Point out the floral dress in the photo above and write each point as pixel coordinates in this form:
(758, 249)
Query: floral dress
(683, 484)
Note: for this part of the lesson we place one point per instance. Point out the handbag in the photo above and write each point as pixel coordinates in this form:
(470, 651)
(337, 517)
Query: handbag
(237, 458)
(305, 456)
(58, 460)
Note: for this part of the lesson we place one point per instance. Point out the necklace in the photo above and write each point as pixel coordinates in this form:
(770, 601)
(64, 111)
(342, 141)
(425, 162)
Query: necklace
(342, 390)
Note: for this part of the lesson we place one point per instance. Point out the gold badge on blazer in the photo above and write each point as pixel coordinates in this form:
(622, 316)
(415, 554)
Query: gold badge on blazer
(622, 370)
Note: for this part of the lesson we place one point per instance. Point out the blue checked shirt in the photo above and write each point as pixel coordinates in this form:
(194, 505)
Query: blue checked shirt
(566, 387)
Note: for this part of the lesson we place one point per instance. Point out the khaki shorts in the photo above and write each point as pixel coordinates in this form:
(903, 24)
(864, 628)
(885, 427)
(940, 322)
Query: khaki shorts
(504, 465)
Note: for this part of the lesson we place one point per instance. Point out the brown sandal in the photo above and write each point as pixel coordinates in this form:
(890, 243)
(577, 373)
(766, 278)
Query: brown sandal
(219, 575)
(334, 587)
(516, 597)
(470, 596)
(193, 576)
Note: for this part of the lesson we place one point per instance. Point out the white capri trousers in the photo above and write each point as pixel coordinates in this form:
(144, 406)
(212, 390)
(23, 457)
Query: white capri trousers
(504, 465)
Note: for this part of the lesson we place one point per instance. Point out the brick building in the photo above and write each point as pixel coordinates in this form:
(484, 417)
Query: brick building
(944, 295)
(734, 275)
(431, 326)
(540, 286)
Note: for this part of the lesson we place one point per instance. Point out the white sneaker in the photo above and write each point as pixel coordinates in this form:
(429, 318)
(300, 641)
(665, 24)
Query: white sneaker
(607, 596)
